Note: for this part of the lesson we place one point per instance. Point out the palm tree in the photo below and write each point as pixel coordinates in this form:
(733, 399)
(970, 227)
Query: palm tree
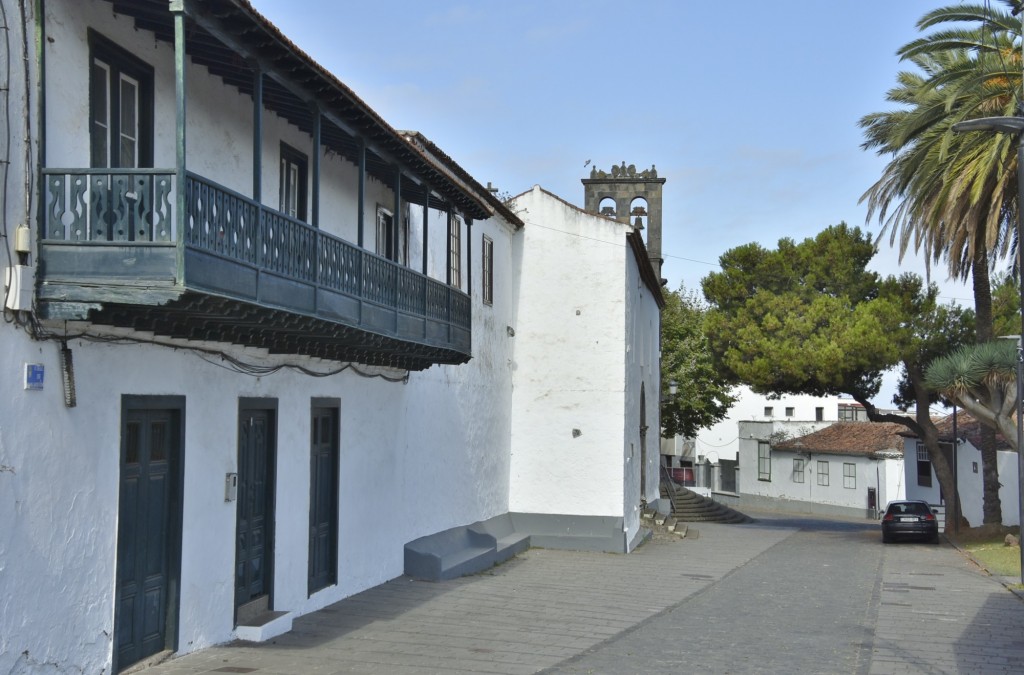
(953, 196)
(981, 378)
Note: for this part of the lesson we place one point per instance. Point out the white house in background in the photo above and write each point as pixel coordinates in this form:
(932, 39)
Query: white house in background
(845, 468)
(923, 484)
(713, 455)
(258, 342)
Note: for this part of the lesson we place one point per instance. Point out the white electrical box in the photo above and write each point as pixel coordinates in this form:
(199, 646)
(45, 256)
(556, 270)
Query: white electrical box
(230, 487)
(18, 280)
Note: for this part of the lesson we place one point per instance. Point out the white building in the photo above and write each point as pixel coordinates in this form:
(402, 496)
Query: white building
(846, 468)
(714, 453)
(922, 483)
(258, 341)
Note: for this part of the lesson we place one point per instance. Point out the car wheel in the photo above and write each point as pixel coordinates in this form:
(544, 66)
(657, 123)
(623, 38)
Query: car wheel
(886, 539)
(935, 539)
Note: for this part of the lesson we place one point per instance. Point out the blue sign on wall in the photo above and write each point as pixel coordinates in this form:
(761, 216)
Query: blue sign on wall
(34, 375)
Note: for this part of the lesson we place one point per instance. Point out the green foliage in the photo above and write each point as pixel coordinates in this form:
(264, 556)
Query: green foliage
(702, 396)
(809, 318)
(1005, 306)
(973, 367)
(982, 378)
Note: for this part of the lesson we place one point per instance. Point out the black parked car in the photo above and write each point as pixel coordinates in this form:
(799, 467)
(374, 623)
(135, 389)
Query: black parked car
(910, 520)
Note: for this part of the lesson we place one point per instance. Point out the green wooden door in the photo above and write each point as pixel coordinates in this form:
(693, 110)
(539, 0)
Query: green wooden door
(323, 499)
(150, 450)
(254, 532)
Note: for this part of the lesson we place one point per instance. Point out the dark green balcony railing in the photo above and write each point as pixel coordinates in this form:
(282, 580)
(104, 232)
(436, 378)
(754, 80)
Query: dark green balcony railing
(237, 247)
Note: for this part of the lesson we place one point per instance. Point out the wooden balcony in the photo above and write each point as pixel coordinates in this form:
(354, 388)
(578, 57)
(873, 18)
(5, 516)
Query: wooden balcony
(238, 272)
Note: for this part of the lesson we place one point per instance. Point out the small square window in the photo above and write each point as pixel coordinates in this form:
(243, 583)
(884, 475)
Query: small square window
(768, 411)
(790, 411)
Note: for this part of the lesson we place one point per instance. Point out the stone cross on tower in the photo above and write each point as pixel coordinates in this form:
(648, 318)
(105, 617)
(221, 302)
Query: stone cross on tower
(623, 185)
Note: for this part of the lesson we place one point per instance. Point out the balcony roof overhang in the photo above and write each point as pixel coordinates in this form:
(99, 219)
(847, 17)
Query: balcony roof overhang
(234, 42)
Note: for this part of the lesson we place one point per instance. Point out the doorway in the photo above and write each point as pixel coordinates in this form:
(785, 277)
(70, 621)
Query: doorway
(148, 528)
(254, 532)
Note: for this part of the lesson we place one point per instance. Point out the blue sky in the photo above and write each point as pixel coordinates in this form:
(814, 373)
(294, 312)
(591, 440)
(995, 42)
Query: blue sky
(748, 109)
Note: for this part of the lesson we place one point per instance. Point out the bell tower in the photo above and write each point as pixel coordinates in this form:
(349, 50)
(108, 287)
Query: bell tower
(624, 194)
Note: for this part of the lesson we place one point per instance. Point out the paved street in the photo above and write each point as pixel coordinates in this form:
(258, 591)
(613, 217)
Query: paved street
(782, 595)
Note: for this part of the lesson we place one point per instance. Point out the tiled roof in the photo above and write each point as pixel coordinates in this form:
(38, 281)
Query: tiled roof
(966, 427)
(849, 438)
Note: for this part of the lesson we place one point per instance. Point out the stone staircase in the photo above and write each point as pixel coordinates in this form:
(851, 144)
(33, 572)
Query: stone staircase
(690, 507)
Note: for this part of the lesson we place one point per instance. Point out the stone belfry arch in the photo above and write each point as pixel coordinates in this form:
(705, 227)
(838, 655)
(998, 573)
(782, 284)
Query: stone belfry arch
(624, 184)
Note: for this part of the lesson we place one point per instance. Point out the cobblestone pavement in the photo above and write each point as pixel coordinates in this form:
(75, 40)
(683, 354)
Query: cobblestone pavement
(783, 595)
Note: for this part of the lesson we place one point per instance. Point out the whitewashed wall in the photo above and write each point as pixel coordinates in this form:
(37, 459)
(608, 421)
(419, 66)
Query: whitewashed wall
(721, 440)
(870, 473)
(416, 458)
(969, 483)
(569, 363)
(642, 376)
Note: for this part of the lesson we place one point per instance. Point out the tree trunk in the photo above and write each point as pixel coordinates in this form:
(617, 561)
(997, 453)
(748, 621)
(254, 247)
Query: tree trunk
(992, 508)
(927, 432)
(982, 286)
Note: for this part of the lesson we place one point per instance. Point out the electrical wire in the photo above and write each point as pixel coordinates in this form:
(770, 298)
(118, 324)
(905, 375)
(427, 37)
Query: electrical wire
(5, 159)
(215, 357)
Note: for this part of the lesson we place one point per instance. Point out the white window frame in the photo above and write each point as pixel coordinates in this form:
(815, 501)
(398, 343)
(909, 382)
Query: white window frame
(764, 461)
(849, 475)
(798, 470)
(823, 472)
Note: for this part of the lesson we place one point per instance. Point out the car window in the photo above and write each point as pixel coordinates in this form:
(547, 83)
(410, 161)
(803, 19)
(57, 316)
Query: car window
(912, 508)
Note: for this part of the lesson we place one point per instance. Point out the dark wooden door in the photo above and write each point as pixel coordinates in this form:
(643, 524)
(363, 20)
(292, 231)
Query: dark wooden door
(323, 499)
(254, 532)
(150, 448)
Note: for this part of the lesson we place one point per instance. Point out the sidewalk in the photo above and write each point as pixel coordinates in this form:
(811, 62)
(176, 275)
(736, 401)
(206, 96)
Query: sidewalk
(524, 616)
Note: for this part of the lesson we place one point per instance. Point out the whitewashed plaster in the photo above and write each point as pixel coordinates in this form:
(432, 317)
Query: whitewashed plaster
(969, 482)
(567, 424)
(721, 440)
(418, 457)
(642, 378)
(882, 474)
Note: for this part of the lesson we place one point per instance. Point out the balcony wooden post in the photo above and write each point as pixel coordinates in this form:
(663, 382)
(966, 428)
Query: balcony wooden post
(396, 228)
(469, 258)
(315, 169)
(448, 246)
(177, 8)
(426, 224)
(361, 197)
(257, 135)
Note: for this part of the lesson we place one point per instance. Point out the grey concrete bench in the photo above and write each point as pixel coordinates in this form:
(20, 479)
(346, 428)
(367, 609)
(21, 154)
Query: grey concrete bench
(464, 550)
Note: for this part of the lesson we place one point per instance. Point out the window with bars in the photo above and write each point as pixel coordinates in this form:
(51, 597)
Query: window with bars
(924, 466)
(822, 472)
